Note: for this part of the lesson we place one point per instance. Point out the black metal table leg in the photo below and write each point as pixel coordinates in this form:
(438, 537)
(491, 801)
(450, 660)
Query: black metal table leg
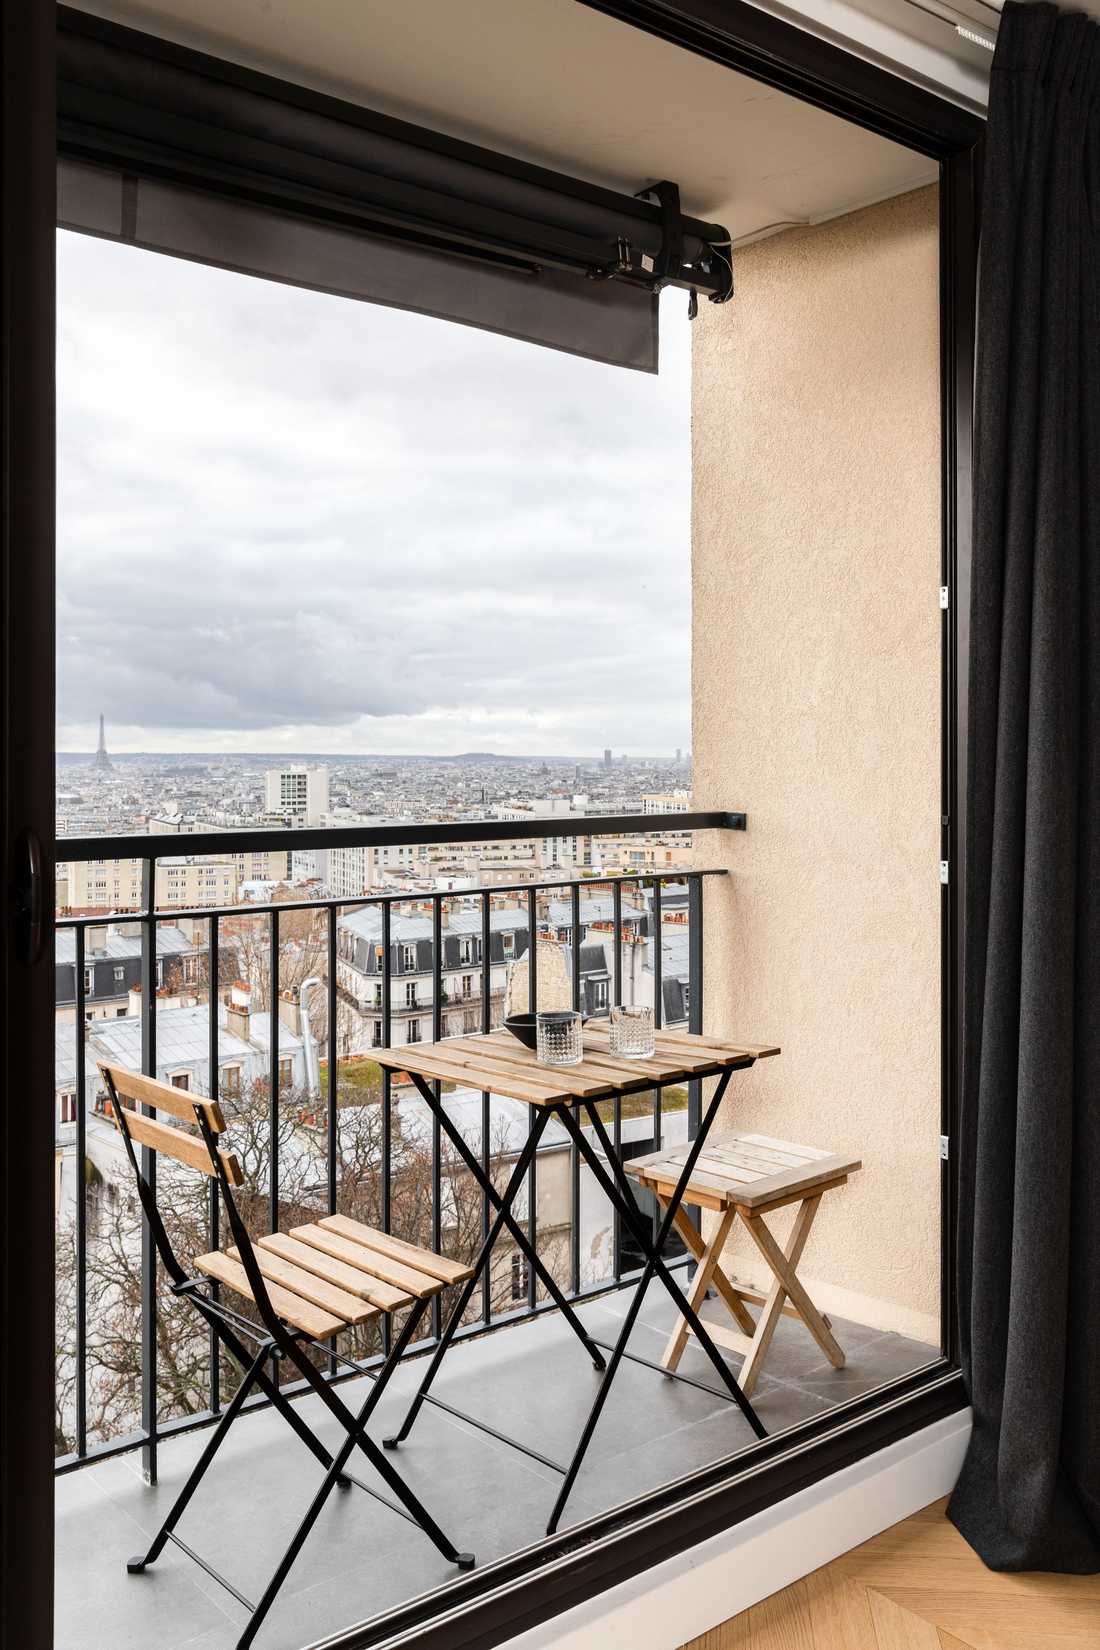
(617, 1190)
(650, 1248)
(519, 1236)
(484, 1257)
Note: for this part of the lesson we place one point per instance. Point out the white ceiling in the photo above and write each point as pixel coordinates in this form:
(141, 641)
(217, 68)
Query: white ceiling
(555, 82)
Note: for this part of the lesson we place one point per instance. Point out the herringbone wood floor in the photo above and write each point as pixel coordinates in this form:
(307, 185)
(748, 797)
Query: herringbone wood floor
(918, 1586)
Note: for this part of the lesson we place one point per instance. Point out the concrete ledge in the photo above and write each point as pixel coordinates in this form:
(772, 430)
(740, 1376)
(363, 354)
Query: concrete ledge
(676, 1601)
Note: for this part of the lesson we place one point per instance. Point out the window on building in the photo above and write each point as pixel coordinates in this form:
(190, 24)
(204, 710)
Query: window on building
(466, 951)
(89, 980)
(520, 1274)
(408, 958)
(180, 1080)
(467, 985)
(413, 1035)
(509, 943)
(66, 1108)
(410, 994)
(286, 1074)
(376, 1034)
(600, 993)
(231, 1081)
(120, 976)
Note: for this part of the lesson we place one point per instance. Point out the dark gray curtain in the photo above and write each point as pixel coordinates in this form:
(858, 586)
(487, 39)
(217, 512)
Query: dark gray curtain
(1029, 1240)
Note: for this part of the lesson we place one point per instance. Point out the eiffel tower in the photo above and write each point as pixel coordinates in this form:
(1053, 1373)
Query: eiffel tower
(102, 760)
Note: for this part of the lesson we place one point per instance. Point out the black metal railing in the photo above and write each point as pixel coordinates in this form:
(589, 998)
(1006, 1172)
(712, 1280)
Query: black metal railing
(649, 887)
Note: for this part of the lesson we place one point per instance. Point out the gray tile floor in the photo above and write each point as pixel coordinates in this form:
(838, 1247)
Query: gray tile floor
(531, 1381)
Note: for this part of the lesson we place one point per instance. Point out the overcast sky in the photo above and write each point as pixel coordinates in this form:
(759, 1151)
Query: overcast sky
(290, 522)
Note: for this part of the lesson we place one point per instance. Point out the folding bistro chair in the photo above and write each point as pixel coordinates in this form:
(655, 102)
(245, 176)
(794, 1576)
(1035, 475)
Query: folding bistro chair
(307, 1285)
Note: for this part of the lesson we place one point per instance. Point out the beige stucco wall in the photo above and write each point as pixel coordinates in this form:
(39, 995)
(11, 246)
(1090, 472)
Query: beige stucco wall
(816, 709)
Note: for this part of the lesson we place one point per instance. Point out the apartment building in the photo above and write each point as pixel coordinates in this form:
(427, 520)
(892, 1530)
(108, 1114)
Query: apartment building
(666, 802)
(297, 793)
(183, 881)
(112, 966)
(412, 993)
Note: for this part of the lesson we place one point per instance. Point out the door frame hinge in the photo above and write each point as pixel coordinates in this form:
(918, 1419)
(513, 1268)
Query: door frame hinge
(945, 1148)
(945, 870)
(945, 596)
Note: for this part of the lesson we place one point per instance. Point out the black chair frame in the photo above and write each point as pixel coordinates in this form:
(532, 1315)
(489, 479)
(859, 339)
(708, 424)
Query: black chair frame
(275, 1342)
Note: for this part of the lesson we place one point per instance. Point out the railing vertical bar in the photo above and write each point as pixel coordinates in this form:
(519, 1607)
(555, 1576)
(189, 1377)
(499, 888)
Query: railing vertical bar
(532, 1173)
(273, 973)
(695, 1011)
(574, 1157)
(386, 1200)
(617, 997)
(149, 1417)
(273, 1049)
(333, 1094)
(213, 1087)
(333, 1086)
(695, 993)
(486, 1025)
(658, 999)
(437, 1139)
(80, 1193)
(532, 951)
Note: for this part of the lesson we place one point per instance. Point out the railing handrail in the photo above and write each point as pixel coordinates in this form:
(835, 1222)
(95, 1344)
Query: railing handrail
(405, 834)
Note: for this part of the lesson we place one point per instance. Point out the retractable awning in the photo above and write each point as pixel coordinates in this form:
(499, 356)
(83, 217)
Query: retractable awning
(187, 154)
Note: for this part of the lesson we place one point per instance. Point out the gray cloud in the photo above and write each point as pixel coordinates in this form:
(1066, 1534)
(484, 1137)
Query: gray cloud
(287, 519)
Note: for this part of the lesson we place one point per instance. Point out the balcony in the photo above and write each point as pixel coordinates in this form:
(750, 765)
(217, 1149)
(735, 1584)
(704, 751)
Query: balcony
(363, 1561)
(320, 1130)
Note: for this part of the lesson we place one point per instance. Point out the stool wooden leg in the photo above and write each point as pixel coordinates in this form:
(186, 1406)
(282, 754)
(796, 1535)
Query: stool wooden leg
(729, 1294)
(783, 1264)
(708, 1257)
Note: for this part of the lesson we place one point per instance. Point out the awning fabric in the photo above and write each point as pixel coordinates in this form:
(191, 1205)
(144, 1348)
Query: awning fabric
(185, 154)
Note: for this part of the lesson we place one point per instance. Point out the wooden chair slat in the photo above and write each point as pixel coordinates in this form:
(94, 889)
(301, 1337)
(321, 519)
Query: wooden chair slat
(424, 1260)
(311, 1320)
(189, 1149)
(356, 1282)
(395, 1272)
(308, 1286)
(150, 1091)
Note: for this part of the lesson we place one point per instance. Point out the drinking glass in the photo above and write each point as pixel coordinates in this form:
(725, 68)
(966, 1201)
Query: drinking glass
(559, 1038)
(631, 1034)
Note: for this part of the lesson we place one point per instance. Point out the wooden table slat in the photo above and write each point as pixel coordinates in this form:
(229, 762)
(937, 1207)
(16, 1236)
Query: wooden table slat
(498, 1063)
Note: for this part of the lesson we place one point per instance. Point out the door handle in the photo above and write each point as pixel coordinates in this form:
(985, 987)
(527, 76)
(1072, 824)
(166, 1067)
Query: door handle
(28, 897)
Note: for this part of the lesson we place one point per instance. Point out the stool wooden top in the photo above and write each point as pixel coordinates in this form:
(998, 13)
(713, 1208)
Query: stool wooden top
(498, 1063)
(748, 1170)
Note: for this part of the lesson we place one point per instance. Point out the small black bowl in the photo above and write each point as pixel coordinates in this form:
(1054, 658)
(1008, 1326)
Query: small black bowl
(524, 1027)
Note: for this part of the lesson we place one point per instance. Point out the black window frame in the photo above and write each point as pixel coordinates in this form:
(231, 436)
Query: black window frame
(492, 1604)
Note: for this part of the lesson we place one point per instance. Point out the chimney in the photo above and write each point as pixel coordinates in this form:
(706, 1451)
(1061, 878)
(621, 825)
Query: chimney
(289, 1012)
(238, 1010)
(95, 942)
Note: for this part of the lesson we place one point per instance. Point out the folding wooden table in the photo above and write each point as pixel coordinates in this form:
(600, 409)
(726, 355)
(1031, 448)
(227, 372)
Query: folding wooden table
(497, 1063)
